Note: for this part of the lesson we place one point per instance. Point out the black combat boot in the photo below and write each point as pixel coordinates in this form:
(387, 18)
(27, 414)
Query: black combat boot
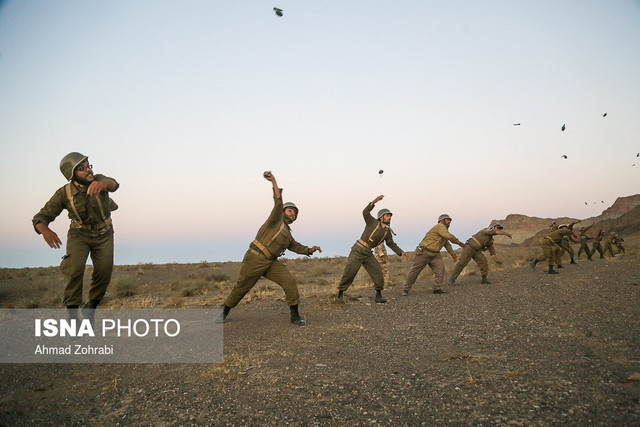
(89, 311)
(552, 271)
(379, 298)
(484, 280)
(339, 297)
(225, 312)
(572, 261)
(533, 264)
(295, 316)
(559, 266)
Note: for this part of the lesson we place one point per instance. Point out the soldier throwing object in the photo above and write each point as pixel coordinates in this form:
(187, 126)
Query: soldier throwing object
(375, 232)
(428, 253)
(481, 241)
(583, 242)
(86, 198)
(596, 244)
(262, 257)
(549, 242)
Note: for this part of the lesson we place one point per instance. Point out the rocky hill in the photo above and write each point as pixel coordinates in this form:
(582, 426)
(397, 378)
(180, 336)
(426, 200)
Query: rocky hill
(622, 217)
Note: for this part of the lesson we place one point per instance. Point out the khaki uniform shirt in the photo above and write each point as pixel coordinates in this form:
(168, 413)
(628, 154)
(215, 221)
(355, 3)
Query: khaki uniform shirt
(438, 237)
(87, 206)
(557, 235)
(483, 240)
(275, 234)
(375, 233)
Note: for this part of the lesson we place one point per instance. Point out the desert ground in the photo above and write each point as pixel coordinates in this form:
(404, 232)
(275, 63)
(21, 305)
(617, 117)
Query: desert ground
(528, 349)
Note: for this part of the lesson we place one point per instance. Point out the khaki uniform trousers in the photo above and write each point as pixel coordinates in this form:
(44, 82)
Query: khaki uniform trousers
(564, 244)
(256, 265)
(548, 251)
(584, 247)
(597, 247)
(607, 247)
(466, 255)
(420, 261)
(79, 246)
(557, 254)
(361, 257)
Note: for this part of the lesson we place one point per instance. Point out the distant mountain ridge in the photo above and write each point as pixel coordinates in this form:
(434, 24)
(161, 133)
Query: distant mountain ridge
(623, 217)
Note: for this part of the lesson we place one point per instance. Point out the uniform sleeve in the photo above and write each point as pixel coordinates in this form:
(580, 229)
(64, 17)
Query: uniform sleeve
(392, 245)
(448, 247)
(492, 250)
(298, 248)
(450, 237)
(100, 178)
(51, 209)
(276, 212)
(366, 213)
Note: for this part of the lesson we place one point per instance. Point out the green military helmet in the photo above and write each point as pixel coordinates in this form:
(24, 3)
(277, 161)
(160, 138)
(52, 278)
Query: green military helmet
(496, 224)
(443, 216)
(383, 212)
(290, 205)
(69, 163)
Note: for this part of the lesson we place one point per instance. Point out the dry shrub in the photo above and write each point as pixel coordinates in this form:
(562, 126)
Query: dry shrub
(123, 288)
(232, 364)
(145, 266)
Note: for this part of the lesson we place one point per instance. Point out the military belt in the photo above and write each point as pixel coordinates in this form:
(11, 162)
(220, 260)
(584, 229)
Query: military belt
(92, 227)
(363, 243)
(481, 246)
(262, 248)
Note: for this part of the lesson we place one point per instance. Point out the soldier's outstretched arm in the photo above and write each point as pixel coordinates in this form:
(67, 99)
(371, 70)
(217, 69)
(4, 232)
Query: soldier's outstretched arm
(313, 249)
(276, 189)
(377, 199)
(504, 233)
(49, 235)
(97, 187)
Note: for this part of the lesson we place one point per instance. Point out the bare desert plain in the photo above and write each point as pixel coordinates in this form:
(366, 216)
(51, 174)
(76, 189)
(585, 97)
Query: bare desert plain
(528, 349)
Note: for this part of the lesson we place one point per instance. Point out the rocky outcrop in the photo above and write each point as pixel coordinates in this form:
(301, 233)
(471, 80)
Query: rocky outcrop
(622, 217)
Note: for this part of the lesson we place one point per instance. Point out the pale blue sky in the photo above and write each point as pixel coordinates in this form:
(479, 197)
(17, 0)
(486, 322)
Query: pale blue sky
(186, 103)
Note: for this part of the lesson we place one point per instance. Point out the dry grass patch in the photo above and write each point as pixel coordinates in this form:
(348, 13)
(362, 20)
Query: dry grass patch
(233, 364)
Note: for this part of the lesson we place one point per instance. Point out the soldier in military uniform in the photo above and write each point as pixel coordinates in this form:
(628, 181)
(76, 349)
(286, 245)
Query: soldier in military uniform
(584, 242)
(86, 198)
(376, 231)
(619, 245)
(610, 243)
(547, 244)
(479, 242)
(428, 253)
(261, 260)
(596, 244)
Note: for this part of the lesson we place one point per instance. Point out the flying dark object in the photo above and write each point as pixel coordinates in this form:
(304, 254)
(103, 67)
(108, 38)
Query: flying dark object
(604, 115)
(638, 155)
(563, 128)
(586, 203)
(516, 124)
(380, 171)
(277, 11)
(564, 156)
